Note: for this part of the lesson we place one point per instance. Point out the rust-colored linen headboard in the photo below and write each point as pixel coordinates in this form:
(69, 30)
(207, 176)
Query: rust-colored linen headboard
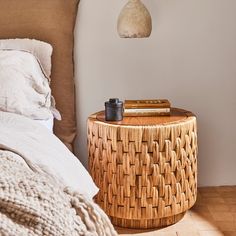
(51, 21)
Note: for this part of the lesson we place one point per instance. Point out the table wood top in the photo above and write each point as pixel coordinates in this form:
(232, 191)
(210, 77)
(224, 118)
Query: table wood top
(176, 116)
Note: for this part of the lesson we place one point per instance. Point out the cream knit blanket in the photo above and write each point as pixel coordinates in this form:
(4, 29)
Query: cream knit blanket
(34, 204)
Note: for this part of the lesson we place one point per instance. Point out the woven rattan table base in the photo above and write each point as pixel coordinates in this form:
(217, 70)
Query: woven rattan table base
(147, 174)
(146, 224)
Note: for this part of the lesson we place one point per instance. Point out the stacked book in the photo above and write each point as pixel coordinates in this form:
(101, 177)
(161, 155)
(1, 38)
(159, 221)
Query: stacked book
(156, 107)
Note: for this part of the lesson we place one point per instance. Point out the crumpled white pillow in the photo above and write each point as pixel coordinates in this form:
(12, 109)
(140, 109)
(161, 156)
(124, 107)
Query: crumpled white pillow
(41, 50)
(24, 87)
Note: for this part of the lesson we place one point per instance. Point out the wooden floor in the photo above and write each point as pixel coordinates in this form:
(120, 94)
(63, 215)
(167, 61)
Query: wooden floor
(214, 214)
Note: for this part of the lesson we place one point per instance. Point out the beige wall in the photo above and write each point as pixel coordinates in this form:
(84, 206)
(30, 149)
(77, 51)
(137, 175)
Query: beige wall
(189, 59)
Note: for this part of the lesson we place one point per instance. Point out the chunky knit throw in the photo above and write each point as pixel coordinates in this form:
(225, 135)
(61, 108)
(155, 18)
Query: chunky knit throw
(32, 203)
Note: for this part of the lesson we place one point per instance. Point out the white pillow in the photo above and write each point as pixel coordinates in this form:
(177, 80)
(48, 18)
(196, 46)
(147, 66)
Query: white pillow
(41, 50)
(24, 87)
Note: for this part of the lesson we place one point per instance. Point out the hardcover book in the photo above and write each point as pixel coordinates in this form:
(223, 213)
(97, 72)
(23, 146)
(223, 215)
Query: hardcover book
(153, 103)
(154, 107)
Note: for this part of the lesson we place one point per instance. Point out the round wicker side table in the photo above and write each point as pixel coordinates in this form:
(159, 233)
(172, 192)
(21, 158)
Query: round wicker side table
(145, 167)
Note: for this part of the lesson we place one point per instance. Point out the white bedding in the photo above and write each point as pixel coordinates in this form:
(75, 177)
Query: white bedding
(47, 123)
(43, 152)
(24, 87)
(41, 50)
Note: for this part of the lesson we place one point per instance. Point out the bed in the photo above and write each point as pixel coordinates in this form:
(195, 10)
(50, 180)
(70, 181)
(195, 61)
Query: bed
(44, 189)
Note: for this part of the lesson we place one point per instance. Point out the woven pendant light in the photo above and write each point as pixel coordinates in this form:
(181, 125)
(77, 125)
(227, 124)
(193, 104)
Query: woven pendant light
(134, 21)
